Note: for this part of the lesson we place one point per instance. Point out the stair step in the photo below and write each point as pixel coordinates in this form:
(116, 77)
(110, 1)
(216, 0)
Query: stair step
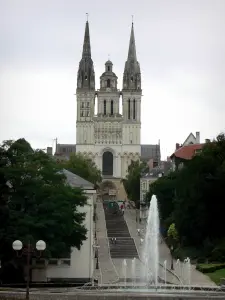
(117, 228)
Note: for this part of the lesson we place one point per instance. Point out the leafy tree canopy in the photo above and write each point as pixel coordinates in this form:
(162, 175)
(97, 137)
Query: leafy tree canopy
(36, 202)
(84, 167)
(132, 181)
(193, 197)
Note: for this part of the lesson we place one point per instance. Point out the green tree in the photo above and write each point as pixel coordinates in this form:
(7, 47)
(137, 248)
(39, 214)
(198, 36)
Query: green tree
(132, 181)
(84, 167)
(164, 189)
(172, 235)
(200, 189)
(36, 202)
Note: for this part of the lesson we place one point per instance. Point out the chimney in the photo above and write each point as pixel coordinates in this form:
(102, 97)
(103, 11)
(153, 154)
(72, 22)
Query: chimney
(197, 137)
(177, 146)
(207, 141)
(49, 151)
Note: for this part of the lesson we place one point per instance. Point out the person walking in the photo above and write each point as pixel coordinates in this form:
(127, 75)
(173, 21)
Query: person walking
(122, 209)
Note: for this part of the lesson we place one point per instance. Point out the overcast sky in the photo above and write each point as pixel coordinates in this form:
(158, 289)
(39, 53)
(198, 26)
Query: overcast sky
(180, 47)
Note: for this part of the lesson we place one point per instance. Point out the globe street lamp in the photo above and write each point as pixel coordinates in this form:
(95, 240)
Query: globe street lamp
(28, 251)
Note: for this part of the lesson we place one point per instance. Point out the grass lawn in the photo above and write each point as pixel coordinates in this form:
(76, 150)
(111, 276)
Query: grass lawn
(215, 276)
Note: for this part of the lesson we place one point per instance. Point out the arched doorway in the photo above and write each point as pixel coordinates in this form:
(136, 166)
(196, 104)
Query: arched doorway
(107, 163)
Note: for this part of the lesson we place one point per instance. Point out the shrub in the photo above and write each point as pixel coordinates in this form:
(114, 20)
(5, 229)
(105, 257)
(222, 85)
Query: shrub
(209, 268)
(218, 253)
(201, 260)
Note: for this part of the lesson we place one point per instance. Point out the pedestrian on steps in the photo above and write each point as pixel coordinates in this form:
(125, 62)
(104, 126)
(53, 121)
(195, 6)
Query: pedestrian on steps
(122, 209)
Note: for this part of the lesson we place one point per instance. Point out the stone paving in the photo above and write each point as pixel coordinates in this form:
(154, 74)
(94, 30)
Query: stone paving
(197, 278)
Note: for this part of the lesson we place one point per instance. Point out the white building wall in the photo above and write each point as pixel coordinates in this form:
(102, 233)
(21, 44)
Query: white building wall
(82, 261)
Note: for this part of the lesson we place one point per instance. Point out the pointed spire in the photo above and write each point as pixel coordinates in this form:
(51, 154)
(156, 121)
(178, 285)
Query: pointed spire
(132, 48)
(87, 44)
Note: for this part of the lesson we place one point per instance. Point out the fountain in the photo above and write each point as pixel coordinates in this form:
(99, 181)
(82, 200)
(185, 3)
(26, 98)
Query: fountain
(124, 268)
(187, 266)
(133, 271)
(151, 250)
(179, 268)
(165, 270)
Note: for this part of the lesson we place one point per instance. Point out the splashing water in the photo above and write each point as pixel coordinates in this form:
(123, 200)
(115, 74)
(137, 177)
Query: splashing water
(179, 268)
(151, 242)
(124, 267)
(188, 270)
(165, 270)
(133, 271)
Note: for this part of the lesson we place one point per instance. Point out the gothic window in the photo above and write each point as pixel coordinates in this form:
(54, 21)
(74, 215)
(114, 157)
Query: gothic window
(132, 79)
(107, 163)
(134, 109)
(108, 82)
(129, 109)
(111, 110)
(85, 77)
(82, 104)
(104, 112)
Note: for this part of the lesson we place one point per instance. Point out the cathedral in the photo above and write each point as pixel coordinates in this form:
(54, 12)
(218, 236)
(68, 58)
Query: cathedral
(110, 138)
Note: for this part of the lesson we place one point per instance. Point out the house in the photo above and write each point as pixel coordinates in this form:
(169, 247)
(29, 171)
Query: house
(187, 150)
(147, 179)
(79, 266)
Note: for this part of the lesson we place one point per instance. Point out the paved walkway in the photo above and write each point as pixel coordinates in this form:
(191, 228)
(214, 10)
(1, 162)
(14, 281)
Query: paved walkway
(107, 272)
(197, 278)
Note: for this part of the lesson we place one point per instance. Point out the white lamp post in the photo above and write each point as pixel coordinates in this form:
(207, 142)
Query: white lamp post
(28, 250)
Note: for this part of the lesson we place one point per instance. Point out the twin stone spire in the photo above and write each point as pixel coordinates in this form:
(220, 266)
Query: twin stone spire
(86, 74)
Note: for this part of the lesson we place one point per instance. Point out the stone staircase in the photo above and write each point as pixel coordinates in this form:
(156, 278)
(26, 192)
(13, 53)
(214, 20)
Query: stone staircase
(117, 228)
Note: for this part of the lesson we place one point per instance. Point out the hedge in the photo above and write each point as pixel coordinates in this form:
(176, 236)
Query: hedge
(209, 268)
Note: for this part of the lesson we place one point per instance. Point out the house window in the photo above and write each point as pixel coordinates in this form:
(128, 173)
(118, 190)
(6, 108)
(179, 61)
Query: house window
(111, 110)
(134, 109)
(197, 151)
(82, 104)
(108, 82)
(82, 113)
(129, 109)
(88, 114)
(88, 104)
(132, 79)
(104, 107)
(109, 68)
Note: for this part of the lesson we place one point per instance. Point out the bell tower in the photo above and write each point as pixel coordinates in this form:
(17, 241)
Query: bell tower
(131, 94)
(85, 94)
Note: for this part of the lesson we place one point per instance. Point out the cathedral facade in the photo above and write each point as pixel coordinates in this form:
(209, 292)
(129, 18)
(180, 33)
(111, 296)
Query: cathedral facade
(110, 138)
